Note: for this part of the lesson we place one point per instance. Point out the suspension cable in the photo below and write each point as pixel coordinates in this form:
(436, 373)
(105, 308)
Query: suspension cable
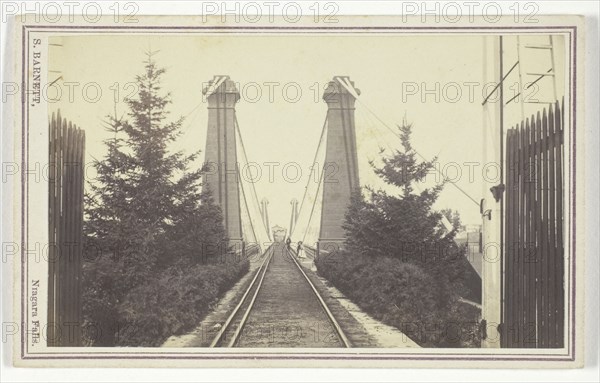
(419, 154)
(248, 211)
(499, 84)
(312, 210)
(312, 169)
(253, 189)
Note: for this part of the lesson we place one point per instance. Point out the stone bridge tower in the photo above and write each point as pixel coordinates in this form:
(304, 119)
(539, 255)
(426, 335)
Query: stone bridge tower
(341, 162)
(222, 176)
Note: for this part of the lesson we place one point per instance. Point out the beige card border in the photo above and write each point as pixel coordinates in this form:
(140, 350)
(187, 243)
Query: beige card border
(23, 144)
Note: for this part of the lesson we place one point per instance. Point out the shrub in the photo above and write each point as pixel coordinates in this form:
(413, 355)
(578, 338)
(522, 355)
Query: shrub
(402, 295)
(401, 264)
(173, 304)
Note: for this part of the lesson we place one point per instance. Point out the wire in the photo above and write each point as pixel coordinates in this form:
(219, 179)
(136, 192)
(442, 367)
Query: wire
(419, 154)
(499, 84)
(248, 211)
(237, 128)
(312, 210)
(312, 168)
(188, 123)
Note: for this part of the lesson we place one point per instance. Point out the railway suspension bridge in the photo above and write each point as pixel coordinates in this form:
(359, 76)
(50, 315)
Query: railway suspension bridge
(319, 217)
(519, 296)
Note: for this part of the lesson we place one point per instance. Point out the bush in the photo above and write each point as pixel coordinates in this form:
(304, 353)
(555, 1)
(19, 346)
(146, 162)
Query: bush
(173, 304)
(403, 295)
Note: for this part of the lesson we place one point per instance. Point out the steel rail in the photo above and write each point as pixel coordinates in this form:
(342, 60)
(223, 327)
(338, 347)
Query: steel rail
(262, 269)
(332, 319)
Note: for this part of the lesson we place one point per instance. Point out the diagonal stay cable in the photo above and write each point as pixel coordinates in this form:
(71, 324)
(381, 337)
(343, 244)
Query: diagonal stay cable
(312, 169)
(419, 154)
(187, 123)
(248, 211)
(312, 210)
(253, 189)
(499, 84)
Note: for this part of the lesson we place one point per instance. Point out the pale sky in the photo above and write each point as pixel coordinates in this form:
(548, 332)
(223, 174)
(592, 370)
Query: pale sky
(284, 131)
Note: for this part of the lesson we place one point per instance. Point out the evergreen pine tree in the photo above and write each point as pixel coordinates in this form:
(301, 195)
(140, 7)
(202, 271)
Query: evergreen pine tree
(108, 240)
(406, 226)
(384, 224)
(145, 211)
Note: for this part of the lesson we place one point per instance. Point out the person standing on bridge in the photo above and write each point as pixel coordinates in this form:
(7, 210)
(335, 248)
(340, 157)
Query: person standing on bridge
(300, 250)
(288, 243)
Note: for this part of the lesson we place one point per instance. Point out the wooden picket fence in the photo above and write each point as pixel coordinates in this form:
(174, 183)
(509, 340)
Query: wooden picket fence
(65, 216)
(533, 300)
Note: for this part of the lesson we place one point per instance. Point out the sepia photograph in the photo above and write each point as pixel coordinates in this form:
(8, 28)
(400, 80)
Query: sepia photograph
(362, 192)
(242, 209)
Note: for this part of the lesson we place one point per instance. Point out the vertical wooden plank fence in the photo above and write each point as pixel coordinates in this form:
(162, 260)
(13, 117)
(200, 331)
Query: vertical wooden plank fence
(533, 300)
(65, 222)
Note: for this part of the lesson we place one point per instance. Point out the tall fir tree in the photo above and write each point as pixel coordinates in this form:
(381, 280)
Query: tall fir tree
(108, 240)
(385, 224)
(406, 226)
(145, 211)
(154, 194)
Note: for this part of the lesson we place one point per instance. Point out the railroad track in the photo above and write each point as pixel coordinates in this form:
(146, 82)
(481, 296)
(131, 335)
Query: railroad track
(312, 309)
